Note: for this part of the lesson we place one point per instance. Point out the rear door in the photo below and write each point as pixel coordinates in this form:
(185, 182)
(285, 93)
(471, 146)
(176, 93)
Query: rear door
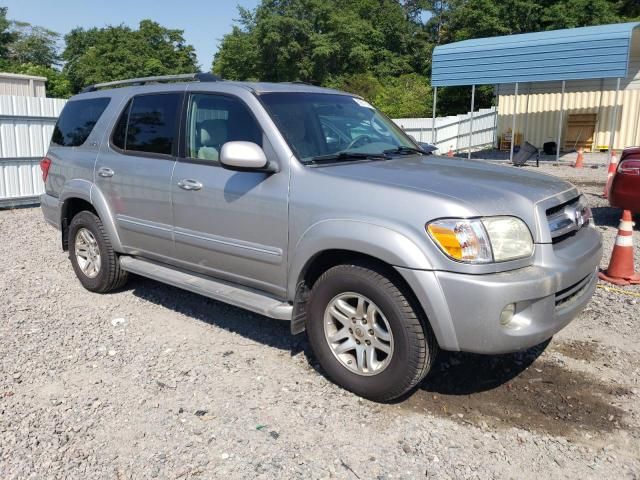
(231, 225)
(134, 169)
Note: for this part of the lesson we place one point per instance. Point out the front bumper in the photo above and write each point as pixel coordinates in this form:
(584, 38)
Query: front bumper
(464, 310)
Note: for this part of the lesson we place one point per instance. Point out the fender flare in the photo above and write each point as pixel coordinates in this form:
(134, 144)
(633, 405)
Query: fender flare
(390, 246)
(87, 191)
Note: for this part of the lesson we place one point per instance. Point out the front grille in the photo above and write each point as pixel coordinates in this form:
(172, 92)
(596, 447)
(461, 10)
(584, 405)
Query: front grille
(566, 219)
(570, 293)
(559, 208)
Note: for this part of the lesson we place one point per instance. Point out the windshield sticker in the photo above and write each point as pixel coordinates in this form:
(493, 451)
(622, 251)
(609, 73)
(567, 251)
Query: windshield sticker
(362, 103)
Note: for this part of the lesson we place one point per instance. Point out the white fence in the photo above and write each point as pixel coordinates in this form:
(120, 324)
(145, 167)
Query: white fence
(26, 126)
(453, 132)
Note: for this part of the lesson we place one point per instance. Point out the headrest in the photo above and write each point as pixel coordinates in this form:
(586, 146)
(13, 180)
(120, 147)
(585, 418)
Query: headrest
(213, 132)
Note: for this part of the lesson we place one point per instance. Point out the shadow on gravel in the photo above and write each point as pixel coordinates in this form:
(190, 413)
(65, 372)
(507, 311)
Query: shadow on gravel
(607, 216)
(258, 328)
(518, 390)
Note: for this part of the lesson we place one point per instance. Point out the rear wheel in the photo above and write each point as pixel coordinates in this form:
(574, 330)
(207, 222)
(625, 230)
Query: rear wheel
(94, 261)
(366, 334)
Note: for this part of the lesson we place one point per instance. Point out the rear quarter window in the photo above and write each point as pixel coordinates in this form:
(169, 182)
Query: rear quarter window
(77, 121)
(148, 124)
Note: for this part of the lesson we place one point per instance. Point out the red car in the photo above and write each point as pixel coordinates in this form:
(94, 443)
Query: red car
(625, 188)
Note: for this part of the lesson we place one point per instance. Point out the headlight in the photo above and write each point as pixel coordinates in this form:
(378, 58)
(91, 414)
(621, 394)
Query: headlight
(510, 238)
(482, 240)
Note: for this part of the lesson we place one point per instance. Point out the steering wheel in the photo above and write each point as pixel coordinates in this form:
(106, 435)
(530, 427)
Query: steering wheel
(357, 140)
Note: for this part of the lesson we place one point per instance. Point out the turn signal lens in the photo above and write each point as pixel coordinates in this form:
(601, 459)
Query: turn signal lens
(463, 240)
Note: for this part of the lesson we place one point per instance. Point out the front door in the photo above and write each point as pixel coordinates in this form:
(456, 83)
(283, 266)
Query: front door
(134, 173)
(231, 225)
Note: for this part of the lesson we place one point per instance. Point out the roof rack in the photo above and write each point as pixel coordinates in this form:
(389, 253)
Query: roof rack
(195, 77)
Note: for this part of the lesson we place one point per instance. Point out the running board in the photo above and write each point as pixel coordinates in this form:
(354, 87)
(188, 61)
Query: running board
(215, 289)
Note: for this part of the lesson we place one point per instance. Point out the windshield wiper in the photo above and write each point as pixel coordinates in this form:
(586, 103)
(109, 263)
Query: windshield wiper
(402, 150)
(347, 156)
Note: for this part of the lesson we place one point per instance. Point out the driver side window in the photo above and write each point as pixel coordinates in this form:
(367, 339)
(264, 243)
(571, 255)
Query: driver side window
(214, 120)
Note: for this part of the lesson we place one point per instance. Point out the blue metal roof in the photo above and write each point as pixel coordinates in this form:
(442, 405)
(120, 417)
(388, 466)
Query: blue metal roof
(571, 54)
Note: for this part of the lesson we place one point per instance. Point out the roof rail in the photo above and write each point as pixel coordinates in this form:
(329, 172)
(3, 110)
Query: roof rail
(195, 77)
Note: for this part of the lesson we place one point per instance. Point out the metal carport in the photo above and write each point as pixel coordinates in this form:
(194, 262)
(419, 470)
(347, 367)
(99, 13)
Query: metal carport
(571, 54)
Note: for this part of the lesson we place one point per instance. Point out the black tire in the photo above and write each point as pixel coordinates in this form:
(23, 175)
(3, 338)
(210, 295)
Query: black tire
(110, 275)
(415, 347)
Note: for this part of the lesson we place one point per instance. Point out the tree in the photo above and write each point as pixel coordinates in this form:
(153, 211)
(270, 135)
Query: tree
(33, 45)
(6, 34)
(365, 46)
(316, 40)
(118, 52)
(581, 13)
(31, 50)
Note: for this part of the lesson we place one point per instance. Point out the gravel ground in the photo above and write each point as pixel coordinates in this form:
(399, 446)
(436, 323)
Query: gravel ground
(154, 382)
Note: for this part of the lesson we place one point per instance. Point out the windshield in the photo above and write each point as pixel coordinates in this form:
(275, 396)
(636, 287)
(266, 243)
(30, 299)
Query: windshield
(320, 125)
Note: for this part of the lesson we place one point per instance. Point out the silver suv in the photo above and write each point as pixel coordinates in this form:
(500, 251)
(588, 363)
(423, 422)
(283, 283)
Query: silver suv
(308, 205)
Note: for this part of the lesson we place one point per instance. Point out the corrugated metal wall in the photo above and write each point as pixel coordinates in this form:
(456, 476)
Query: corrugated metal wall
(26, 126)
(541, 123)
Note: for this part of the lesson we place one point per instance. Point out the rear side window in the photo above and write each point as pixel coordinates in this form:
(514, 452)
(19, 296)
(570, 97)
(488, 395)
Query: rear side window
(77, 121)
(148, 124)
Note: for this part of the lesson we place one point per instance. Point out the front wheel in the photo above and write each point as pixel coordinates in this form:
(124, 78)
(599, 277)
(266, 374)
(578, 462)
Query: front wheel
(366, 334)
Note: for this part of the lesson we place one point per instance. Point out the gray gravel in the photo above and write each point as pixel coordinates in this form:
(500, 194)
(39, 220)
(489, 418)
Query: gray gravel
(154, 382)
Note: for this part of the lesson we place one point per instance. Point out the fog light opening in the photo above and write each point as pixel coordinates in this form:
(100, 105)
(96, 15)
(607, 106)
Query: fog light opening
(506, 316)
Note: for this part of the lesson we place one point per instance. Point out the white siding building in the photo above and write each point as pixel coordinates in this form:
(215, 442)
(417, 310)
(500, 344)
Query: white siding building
(22, 85)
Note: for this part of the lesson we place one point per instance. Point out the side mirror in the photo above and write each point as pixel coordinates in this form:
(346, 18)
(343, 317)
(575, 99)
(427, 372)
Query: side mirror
(244, 157)
(427, 147)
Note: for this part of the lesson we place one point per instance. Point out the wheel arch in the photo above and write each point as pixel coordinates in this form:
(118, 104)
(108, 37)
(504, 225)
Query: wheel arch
(323, 248)
(333, 239)
(82, 195)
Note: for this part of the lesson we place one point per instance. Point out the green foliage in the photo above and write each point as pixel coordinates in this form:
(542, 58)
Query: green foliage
(456, 20)
(381, 49)
(34, 45)
(407, 95)
(118, 52)
(31, 50)
(7, 36)
(369, 47)
(315, 40)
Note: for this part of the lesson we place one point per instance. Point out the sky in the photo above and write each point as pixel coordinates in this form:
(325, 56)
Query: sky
(204, 21)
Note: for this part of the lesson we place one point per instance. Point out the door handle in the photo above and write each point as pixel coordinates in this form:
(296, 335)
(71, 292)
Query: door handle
(106, 172)
(188, 184)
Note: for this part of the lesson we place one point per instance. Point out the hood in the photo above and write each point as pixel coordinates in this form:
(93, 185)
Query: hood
(486, 188)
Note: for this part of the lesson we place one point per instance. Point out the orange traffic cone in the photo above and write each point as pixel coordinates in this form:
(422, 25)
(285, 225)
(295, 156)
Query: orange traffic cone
(613, 164)
(450, 152)
(580, 160)
(621, 270)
